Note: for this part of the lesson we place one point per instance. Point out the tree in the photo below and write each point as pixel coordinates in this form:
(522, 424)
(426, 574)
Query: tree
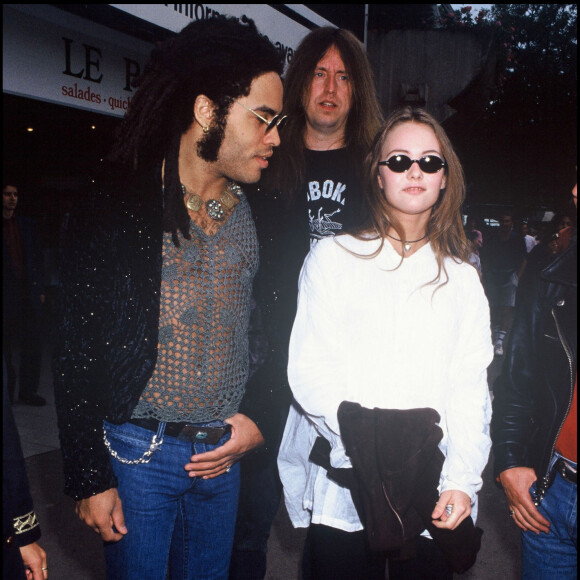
(522, 149)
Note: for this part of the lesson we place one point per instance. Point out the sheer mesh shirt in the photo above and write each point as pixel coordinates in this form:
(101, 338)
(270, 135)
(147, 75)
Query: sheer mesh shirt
(202, 363)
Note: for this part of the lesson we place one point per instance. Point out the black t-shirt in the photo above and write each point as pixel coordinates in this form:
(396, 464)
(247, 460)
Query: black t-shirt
(331, 192)
(326, 203)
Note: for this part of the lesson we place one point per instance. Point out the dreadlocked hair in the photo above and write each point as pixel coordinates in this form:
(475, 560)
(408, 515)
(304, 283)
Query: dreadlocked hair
(219, 58)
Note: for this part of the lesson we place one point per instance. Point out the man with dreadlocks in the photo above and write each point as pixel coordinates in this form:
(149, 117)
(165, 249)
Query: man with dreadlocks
(151, 359)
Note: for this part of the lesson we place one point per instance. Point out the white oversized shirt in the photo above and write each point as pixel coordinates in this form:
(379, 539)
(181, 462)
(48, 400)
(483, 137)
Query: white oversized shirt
(368, 331)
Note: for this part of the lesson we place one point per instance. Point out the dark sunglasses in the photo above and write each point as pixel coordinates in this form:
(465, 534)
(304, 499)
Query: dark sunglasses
(427, 164)
(276, 121)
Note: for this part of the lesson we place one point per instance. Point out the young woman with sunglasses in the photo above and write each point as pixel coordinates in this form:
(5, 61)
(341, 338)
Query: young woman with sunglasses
(392, 316)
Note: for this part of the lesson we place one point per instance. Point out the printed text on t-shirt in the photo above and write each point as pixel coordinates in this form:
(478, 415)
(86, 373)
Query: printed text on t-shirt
(328, 191)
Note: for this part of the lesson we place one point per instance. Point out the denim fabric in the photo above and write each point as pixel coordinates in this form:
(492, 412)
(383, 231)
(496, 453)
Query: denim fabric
(553, 556)
(176, 523)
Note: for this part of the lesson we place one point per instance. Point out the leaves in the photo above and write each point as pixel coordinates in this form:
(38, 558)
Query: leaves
(524, 148)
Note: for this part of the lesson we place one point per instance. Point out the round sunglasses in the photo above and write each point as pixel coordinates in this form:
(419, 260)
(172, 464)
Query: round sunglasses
(401, 163)
(275, 121)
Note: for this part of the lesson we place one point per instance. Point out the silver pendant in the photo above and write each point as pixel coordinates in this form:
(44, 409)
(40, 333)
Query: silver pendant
(214, 210)
(407, 247)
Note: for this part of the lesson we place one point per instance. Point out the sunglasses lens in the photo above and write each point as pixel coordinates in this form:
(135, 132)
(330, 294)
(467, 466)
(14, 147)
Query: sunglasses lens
(399, 163)
(276, 121)
(430, 164)
(427, 164)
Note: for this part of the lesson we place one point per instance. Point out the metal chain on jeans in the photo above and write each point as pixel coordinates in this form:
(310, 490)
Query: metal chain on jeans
(145, 458)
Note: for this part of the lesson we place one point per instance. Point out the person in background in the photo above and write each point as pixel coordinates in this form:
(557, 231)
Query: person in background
(152, 358)
(474, 258)
(556, 238)
(530, 240)
(471, 226)
(535, 425)
(311, 190)
(22, 557)
(562, 230)
(502, 260)
(534, 231)
(564, 221)
(22, 299)
(393, 317)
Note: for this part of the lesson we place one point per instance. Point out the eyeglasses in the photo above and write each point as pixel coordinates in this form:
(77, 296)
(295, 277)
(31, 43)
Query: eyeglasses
(275, 121)
(427, 164)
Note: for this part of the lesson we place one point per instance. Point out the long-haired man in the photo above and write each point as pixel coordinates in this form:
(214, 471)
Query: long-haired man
(311, 190)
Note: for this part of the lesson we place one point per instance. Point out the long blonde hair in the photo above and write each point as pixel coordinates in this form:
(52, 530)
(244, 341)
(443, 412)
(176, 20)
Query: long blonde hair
(445, 227)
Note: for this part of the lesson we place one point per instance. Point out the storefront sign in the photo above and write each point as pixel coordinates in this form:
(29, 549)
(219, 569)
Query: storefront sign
(54, 56)
(285, 29)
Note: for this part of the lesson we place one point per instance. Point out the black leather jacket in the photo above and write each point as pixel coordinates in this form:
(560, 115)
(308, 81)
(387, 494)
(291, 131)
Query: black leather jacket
(533, 394)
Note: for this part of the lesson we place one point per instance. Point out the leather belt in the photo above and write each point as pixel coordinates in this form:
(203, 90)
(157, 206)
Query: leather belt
(566, 470)
(186, 431)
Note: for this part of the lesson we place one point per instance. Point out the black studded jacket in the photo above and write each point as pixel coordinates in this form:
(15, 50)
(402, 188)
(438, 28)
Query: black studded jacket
(533, 394)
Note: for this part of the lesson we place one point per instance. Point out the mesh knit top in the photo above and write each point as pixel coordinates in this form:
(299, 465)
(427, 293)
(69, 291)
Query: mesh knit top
(202, 363)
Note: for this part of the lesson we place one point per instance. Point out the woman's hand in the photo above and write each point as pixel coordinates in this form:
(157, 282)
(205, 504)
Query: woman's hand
(451, 509)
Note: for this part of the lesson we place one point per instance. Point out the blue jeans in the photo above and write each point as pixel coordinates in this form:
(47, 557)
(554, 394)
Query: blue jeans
(553, 556)
(177, 524)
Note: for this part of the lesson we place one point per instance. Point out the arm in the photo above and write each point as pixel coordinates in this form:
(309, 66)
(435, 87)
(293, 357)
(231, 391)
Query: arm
(468, 408)
(81, 381)
(316, 371)
(16, 499)
(513, 405)
(110, 269)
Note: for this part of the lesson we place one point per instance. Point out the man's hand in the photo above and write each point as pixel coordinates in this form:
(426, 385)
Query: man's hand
(245, 437)
(34, 558)
(460, 508)
(516, 483)
(104, 514)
